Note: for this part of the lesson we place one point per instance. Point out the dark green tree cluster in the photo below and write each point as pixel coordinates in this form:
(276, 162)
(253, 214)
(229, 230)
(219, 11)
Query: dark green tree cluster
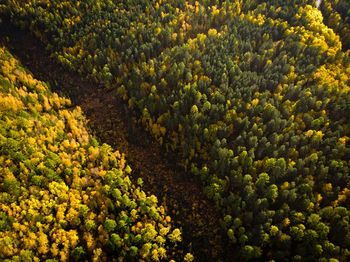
(64, 197)
(253, 95)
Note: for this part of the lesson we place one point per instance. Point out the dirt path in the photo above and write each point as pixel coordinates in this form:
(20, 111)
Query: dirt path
(109, 121)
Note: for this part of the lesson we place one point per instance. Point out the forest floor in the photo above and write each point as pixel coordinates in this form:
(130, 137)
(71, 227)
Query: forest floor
(109, 120)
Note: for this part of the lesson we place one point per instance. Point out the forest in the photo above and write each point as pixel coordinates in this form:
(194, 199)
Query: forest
(251, 98)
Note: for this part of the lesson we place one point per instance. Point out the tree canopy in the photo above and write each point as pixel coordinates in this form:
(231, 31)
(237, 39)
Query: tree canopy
(252, 95)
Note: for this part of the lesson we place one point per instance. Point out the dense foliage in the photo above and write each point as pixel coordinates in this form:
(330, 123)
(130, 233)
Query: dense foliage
(253, 95)
(63, 197)
(337, 16)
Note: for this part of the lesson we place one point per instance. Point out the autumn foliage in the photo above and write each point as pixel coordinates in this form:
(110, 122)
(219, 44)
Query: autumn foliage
(63, 196)
(252, 95)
